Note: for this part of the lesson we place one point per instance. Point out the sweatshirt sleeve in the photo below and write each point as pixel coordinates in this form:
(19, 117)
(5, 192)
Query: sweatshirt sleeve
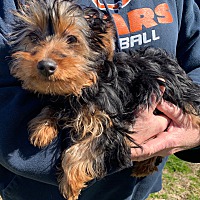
(192, 155)
(17, 108)
(188, 44)
(188, 55)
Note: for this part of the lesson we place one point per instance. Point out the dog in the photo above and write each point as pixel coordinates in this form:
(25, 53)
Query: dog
(62, 50)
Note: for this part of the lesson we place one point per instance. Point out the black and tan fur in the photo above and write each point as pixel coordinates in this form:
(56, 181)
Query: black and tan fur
(61, 49)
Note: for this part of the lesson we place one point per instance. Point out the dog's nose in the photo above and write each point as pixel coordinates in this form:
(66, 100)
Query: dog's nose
(47, 67)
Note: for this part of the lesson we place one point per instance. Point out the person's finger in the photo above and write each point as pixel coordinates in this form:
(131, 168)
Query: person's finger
(142, 130)
(154, 147)
(172, 111)
(162, 87)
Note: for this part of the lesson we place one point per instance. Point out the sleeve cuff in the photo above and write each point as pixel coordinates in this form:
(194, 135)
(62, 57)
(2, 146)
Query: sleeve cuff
(191, 155)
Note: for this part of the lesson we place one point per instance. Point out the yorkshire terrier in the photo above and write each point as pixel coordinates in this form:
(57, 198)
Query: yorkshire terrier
(60, 49)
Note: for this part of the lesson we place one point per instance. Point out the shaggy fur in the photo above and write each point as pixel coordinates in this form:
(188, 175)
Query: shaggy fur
(61, 49)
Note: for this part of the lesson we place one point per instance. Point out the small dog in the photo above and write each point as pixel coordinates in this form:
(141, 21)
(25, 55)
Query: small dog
(61, 49)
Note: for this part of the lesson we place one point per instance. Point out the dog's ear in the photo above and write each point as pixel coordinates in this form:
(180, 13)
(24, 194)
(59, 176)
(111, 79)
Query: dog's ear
(102, 26)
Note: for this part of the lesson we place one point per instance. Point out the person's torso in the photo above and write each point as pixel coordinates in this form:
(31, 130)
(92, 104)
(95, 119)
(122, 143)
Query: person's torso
(143, 23)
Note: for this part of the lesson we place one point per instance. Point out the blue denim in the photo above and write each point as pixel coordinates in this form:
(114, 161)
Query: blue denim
(195, 75)
(117, 186)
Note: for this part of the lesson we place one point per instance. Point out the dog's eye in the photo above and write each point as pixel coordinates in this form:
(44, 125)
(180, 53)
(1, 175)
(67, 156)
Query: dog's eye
(71, 39)
(34, 52)
(34, 38)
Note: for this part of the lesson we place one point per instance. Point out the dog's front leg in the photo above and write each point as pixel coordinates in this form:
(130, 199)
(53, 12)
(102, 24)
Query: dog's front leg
(43, 128)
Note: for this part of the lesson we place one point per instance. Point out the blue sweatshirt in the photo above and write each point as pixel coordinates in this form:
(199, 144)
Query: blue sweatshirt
(29, 173)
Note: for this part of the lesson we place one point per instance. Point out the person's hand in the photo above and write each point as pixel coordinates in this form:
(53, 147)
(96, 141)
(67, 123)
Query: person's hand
(180, 134)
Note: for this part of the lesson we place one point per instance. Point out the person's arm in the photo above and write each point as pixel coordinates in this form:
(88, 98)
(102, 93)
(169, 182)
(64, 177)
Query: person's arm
(17, 108)
(188, 55)
(180, 135)
(193, 154)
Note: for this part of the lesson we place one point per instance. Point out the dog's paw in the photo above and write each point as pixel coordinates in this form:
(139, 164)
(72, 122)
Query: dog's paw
(42, 133)
(144, 171)
(146, 167)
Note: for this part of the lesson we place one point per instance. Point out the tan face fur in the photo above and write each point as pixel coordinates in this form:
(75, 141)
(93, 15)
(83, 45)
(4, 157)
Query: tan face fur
(59, 37)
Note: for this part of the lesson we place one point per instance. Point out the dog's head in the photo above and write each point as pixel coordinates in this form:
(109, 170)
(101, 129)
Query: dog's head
(59, 47)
